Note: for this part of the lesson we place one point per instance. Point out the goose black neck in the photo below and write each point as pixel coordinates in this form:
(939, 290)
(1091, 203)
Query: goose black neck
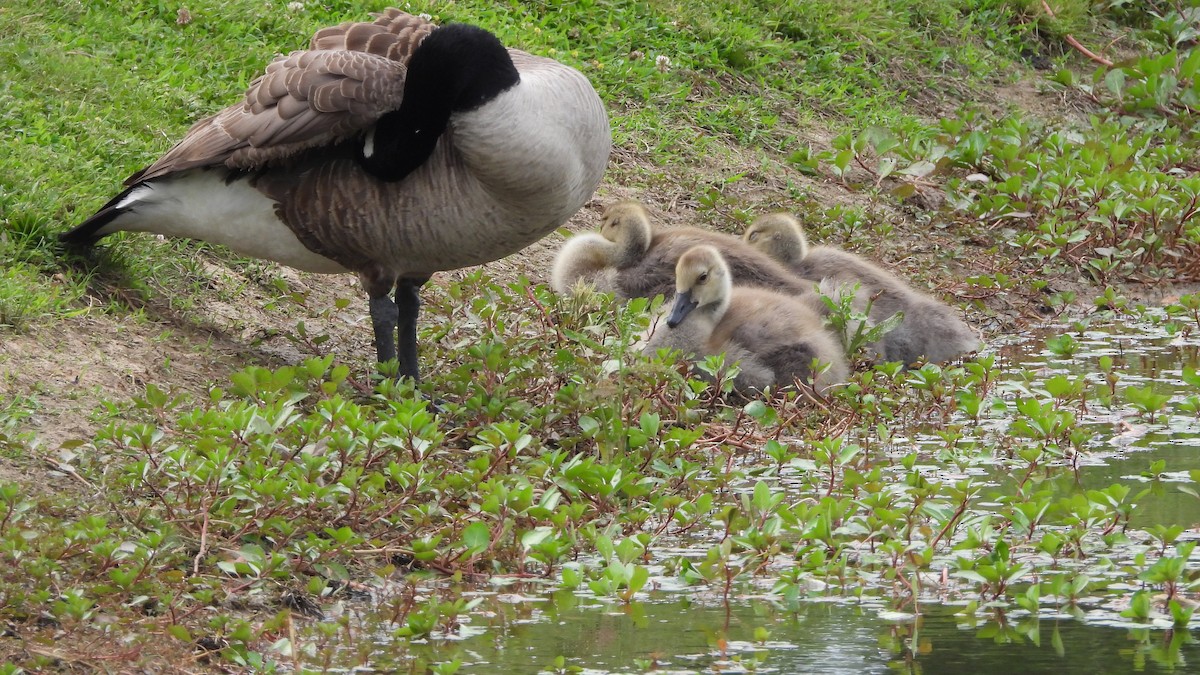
(457, 68)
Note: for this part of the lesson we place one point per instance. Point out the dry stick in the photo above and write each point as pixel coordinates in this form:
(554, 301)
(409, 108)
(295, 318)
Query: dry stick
(291, 628)
(203, 543)
(67, 469)
(962, 508)
(59, 655)
(1075, 43)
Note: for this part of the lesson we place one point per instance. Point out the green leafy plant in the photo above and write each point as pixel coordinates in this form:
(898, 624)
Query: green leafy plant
(848, 318)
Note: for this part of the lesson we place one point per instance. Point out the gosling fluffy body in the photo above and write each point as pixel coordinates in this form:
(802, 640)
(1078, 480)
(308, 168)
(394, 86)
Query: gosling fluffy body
(774, 338)
(929, 330)
(392, 149)
(586, 259)
(632, 259)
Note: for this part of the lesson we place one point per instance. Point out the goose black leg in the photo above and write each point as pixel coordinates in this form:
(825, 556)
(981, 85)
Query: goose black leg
(385, 316)
(408, 305)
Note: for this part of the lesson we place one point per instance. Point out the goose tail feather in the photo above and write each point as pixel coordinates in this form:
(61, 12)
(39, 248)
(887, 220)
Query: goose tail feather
(89, 230)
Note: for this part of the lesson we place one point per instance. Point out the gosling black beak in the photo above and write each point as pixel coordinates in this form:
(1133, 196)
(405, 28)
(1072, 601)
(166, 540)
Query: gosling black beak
(684, 304)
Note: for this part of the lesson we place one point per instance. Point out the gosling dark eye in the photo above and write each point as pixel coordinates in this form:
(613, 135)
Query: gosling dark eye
(702, 278)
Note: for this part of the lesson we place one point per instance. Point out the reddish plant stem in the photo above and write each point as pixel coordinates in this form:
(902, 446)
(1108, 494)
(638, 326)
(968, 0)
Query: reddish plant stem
(1075, 43)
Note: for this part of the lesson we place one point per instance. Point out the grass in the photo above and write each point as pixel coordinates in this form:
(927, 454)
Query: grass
(200, 519)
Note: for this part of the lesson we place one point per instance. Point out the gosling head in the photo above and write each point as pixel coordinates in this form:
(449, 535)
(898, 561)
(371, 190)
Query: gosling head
(628, 226)
(702, 281)
(779, 235)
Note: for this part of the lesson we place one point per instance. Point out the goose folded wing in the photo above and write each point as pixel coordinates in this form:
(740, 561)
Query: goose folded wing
(304, 100)
(393, 35)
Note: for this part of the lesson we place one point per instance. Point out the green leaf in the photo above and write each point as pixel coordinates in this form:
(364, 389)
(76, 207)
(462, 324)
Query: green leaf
(638, 578)
(1115, 81)
(970, 575)
(919, 169)
(755, 409)
(1189, 374)
(571, 577)
(535, 536)
(477, 537)
(904, 191)
(885, 167)
(588, 425)
(1056, 641)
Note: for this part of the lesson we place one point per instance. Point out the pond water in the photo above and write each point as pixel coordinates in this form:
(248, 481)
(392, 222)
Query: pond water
(522, 627)
(523, 633)
(1124, 447)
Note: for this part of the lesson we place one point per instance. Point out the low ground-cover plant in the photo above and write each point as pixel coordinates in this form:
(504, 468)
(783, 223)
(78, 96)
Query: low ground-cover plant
(1110, 195)
(219, 520)
(1106, 199)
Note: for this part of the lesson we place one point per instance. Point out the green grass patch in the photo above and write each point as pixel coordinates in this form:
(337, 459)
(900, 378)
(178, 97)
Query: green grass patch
(95, 91)
(28, 299)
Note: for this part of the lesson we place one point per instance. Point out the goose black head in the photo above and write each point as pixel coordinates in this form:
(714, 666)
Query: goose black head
(457, 68)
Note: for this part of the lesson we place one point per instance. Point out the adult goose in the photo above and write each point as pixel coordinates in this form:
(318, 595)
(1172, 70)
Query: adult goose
(776, 339)
(392, 149)
(929, 330)
(632, 259)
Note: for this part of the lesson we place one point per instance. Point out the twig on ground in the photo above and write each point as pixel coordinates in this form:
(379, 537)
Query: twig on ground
(1075, 43)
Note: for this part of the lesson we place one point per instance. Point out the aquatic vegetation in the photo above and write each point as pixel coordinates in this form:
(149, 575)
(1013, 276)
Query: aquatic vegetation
(974, 483)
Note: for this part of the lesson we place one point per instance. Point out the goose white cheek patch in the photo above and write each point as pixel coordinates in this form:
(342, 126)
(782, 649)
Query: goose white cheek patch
(369, 144)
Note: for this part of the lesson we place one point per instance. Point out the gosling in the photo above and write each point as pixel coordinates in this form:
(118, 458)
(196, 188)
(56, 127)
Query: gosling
(775, 339)
(632, 259)
(930, 330)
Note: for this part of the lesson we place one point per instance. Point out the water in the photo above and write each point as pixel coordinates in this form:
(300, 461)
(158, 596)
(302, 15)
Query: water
(523, 627)
(678, 635)
(1125, 446)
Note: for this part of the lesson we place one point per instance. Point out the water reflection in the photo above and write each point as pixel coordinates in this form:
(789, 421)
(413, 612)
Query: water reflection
(1029, 645)
(1124, 446)
(668, 634)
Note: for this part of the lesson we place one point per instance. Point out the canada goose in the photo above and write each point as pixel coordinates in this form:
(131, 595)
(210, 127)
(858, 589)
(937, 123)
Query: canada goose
(633, 259)
(774, 337)
(392, 149)
(930, 329)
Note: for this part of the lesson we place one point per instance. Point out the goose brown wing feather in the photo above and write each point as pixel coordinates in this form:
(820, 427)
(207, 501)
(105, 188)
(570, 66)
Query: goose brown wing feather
(393, 35)
(304, 99)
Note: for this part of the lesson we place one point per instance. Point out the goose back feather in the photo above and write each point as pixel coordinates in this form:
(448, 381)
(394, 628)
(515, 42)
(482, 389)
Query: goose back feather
(643, 258)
